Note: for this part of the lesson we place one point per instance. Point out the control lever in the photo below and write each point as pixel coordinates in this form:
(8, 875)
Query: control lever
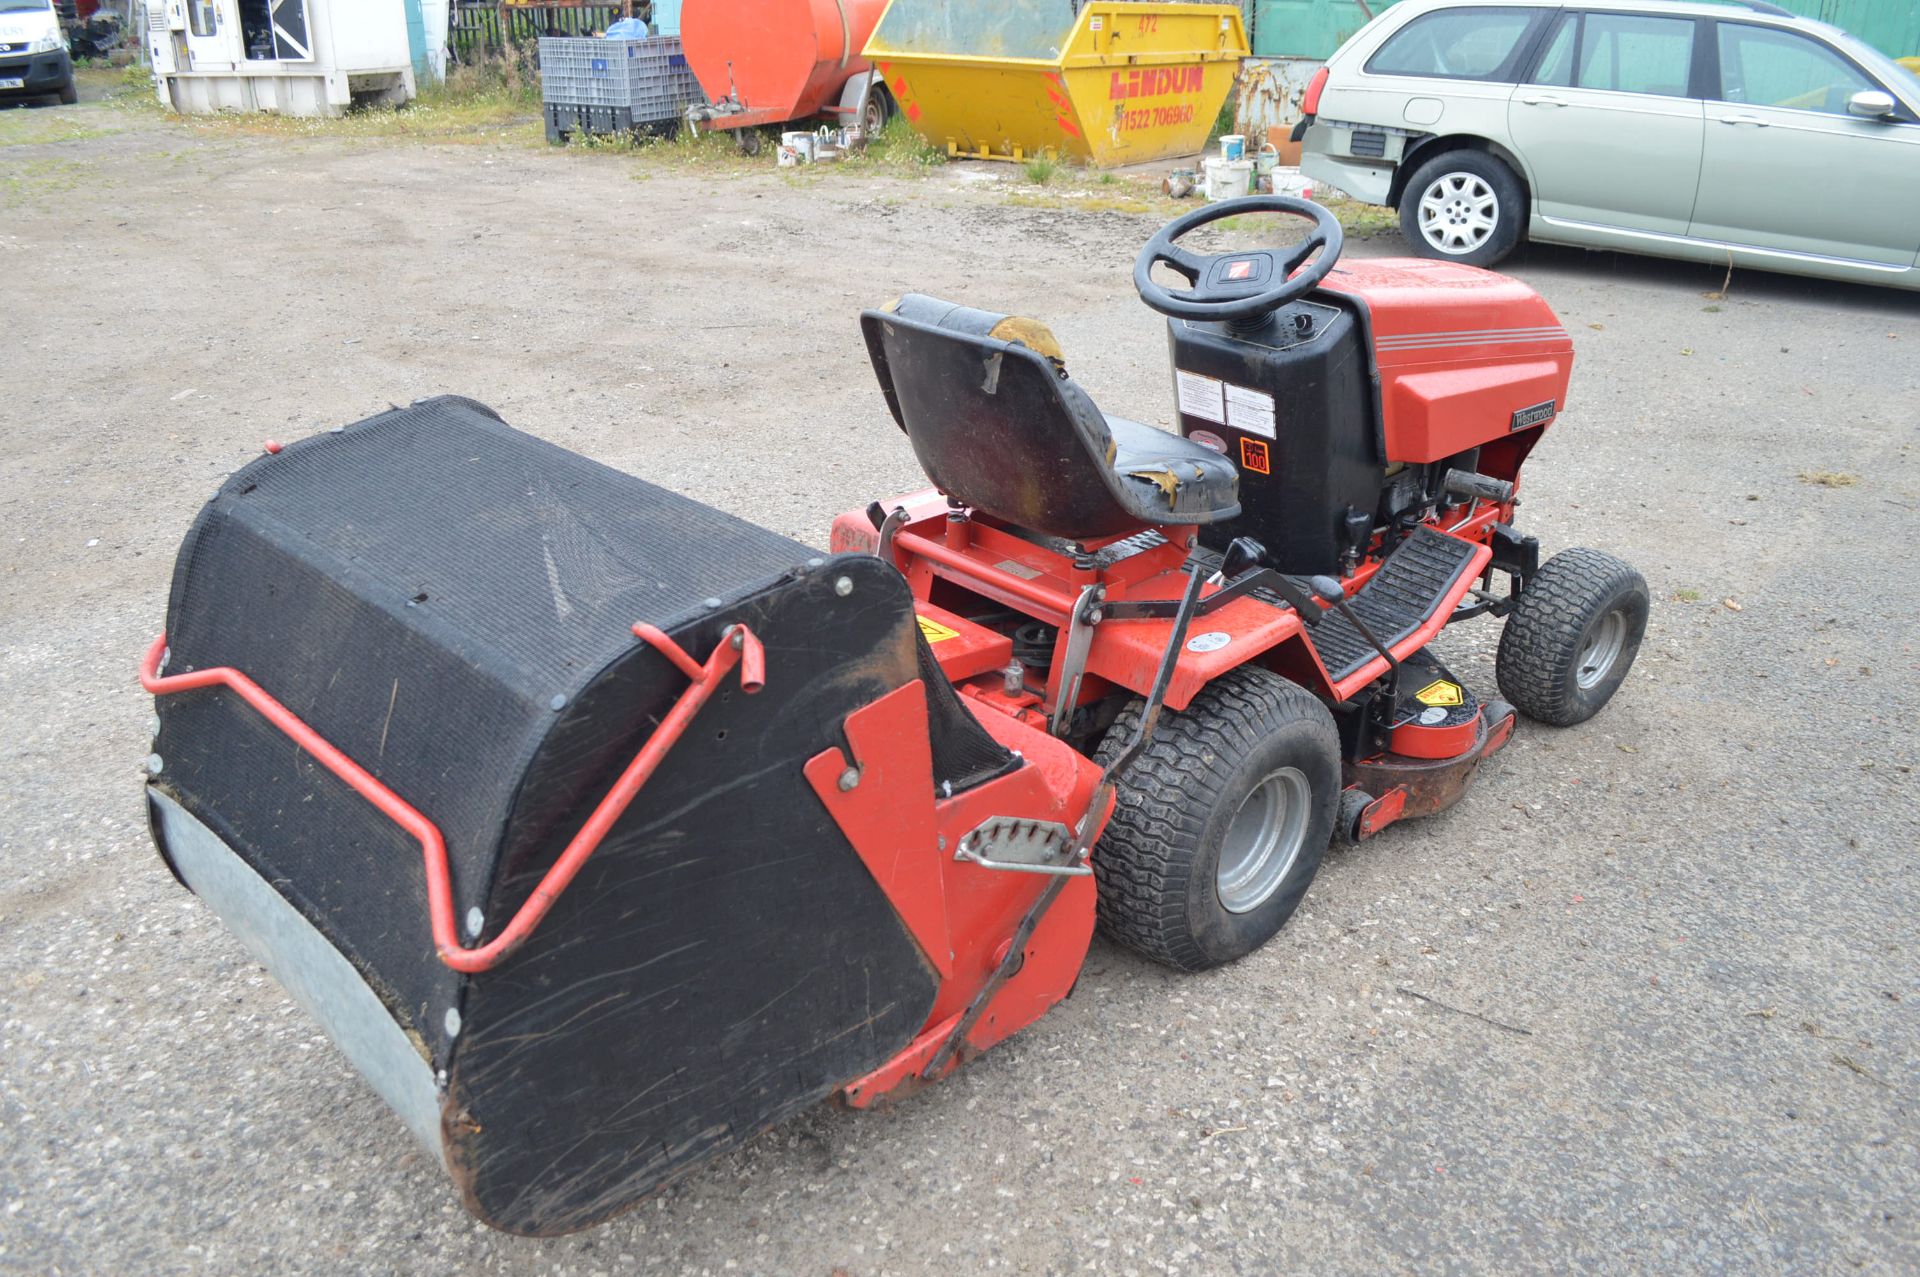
(1480, 487)
(1242, 553)
(1334, 594)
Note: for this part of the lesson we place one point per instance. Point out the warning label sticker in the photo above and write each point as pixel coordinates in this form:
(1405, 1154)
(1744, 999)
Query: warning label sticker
(1254, 456)
(1439, 692)
(1200, 396)
(1250, 410)
(933, 631)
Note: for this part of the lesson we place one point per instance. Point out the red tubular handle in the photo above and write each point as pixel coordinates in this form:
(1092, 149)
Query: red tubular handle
(737, 646)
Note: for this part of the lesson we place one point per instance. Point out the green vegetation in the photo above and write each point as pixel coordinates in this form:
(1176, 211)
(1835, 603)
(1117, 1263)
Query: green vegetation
(1041, 168)
(43, 127)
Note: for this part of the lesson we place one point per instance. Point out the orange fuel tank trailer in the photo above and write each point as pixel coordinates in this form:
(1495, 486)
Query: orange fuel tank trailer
(770, 61)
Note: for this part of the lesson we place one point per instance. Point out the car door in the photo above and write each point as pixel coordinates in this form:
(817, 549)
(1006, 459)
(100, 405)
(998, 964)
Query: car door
(1787, 168)
(1608, 124)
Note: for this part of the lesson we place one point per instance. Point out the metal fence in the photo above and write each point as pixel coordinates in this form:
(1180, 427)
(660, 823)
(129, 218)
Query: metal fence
(484, 30)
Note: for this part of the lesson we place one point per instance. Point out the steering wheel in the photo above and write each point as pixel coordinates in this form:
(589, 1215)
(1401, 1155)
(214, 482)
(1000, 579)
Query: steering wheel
(1244, 285)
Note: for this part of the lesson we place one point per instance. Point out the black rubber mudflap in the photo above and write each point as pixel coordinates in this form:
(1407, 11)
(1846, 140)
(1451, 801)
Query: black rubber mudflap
(449, 601)
(1402, 594)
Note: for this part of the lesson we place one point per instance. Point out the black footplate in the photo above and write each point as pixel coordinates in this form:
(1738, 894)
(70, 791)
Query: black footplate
(1402, 594)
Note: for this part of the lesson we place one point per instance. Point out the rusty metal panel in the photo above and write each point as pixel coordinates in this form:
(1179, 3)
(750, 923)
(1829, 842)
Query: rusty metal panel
(1269, 95)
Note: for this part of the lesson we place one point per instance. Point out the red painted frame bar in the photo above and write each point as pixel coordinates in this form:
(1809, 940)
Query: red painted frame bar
(737, 646)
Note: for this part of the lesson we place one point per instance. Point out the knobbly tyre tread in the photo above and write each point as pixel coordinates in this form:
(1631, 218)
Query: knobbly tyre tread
(1144, 862)
(1541, 642)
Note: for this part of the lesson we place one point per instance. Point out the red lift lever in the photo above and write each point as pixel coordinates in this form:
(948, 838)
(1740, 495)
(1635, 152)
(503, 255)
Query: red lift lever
(737, 646)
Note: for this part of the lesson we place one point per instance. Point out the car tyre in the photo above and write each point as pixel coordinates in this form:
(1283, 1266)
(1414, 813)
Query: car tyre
(1463, 206)
(69, 93)
(1221, 822)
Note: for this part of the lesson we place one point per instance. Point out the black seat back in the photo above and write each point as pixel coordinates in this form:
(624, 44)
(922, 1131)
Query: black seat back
(995, 423)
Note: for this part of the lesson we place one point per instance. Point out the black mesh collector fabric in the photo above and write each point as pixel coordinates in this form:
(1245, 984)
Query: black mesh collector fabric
(419, 588)
(449, 601)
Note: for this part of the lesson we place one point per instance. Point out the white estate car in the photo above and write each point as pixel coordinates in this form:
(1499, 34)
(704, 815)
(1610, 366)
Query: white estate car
(1723, 132)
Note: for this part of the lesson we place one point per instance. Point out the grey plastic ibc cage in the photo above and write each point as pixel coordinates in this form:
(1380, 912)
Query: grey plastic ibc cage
(649, 78)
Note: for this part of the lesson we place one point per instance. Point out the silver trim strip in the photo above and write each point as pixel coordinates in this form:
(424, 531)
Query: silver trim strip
(308, 967)
(1786, 255)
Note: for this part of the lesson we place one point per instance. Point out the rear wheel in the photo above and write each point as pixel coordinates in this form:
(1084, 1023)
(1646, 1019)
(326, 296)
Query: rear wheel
(1463, 206)
(1221, 823)
(1572, 636)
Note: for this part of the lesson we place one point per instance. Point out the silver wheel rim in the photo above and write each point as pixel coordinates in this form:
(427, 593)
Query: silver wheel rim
(1601, 650)
(1458, 213)
(1264, 840)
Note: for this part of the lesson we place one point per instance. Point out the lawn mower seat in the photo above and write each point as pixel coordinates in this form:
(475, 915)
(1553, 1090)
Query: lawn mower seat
(999, 426)
(448, 602)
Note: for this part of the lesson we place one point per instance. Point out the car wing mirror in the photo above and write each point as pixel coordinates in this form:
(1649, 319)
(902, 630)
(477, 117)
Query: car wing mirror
(1871, 104)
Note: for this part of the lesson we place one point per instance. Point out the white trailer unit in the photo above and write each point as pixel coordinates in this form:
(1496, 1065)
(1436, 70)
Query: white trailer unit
(294, 57)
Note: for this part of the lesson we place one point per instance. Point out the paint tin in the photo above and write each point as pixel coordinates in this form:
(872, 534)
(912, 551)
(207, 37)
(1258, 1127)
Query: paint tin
(1233, 146)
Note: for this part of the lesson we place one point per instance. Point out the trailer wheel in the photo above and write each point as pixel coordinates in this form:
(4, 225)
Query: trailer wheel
(1221, 822)
(748, 140)
(1572, 637)
(877, 110)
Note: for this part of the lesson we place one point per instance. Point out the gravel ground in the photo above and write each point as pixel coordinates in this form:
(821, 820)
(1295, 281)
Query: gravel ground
(1647, 1000)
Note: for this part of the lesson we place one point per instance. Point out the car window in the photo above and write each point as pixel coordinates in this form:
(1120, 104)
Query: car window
(1631, 53)
(1765, 67)
(1556, 64)
(1455, 44)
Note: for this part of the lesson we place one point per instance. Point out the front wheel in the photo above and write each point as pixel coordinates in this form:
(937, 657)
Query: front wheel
(1463, 206)
(1221, 822)
(69, 93)
(1572, 637)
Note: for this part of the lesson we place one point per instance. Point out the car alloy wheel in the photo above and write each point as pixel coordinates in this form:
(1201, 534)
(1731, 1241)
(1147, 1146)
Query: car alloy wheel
(1458, 213)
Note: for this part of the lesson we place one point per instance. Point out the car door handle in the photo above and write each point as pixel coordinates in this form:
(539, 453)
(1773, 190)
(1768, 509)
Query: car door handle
(1754, 120)
(1543, 99)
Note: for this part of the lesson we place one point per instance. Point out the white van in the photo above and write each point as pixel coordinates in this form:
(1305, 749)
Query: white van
(33, 52)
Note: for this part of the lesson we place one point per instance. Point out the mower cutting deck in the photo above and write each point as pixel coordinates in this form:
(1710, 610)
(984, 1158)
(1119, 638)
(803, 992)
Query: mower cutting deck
(603, 830)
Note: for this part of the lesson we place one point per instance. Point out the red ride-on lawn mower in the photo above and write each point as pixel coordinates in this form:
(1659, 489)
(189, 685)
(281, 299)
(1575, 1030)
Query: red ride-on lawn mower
(603, 830)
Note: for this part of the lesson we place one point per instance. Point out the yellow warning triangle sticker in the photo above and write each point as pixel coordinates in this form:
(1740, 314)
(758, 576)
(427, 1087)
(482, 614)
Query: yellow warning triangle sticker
(1441, 692)
(934, 631)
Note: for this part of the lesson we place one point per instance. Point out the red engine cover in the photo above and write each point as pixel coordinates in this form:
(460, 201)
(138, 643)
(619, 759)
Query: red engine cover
(1466, 356)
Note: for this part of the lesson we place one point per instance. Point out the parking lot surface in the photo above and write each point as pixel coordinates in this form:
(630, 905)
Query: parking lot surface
(1647, 1000)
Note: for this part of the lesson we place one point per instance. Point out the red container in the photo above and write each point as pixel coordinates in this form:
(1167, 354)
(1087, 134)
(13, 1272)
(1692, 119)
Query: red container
(770, 61)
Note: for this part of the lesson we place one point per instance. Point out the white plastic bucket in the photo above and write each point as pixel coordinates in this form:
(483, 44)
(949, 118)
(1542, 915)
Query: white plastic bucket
(801, 147)
(1290, 181)
(1266, 160)
(1226, 179)
(1233, 146)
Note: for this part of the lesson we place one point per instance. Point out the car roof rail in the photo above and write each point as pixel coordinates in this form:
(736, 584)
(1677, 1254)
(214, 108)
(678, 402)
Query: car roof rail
(1766, 7)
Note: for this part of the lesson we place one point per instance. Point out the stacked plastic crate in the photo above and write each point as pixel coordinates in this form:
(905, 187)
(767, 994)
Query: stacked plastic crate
(591, 85)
